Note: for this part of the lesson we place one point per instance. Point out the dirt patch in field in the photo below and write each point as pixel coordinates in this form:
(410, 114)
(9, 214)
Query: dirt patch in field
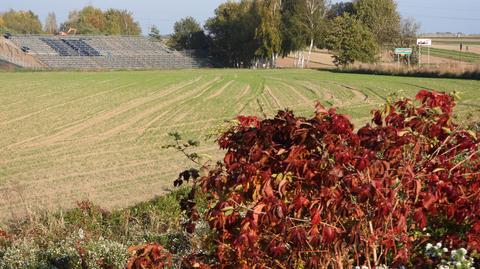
(318, 59)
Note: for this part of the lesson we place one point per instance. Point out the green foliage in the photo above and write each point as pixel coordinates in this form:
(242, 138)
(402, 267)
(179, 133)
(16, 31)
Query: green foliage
(20, 22)
(91, 20)
(75, 251)
(268, 32)
(90, 236)
(232, 31)
(293, 38)
(338, 9)
(350, 41)
(188, 35)
(121, 22)
(381, 18)
(309, 19)
(64, 253)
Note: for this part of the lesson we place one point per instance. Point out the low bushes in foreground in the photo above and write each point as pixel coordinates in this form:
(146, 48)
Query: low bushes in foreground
(90, 237)
(313, 193)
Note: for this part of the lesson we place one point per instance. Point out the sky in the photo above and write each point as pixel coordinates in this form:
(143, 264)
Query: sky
(433, 15)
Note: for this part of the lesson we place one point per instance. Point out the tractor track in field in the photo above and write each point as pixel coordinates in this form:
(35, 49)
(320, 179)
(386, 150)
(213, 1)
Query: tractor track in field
(61, 135)
(63, 104)
(185, 97)
(61, 150)
(220, 91)
(275, 99)
(302, 97)
(326, 94)
(59, 158)
(244, 92)
(359, 95)
(180, 103)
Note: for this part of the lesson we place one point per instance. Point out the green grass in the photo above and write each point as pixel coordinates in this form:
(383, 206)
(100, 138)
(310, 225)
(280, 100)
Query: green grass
(455, 55)
(455, 41)
(69, 136)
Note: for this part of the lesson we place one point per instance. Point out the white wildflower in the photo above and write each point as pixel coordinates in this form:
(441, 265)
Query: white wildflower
(81, 234)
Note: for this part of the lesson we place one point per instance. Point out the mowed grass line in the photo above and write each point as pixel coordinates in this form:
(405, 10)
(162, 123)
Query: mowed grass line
(67, 136)
(454, 55)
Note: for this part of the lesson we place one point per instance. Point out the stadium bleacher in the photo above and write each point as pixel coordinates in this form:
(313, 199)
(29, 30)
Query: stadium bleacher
(104, 52)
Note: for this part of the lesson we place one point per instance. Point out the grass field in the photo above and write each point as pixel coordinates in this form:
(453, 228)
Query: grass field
(65, 137)
(454, 55)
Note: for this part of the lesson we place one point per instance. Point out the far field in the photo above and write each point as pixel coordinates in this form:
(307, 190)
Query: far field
(444, 52)
(66, 137)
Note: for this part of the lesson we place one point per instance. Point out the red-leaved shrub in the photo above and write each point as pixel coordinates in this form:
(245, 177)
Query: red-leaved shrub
(314, 193)
(149, 256)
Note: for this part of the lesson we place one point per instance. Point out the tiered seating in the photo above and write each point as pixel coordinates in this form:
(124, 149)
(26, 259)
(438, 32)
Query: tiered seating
(60, 47)
(104, 52)
(35, 43)
(81, 47)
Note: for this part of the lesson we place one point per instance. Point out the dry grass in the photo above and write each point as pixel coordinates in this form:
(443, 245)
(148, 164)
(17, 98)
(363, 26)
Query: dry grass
(449, 70)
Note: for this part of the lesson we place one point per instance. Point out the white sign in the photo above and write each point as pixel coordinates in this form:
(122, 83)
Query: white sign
(424, 42)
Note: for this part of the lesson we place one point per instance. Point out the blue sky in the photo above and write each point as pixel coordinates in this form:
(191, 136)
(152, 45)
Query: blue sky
(434, 15)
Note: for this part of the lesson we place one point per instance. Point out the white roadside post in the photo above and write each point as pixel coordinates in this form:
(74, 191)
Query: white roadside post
(422, 42)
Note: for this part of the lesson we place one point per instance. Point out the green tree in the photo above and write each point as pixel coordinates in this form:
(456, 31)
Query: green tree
(154, 34)
(51, 23)
(268, 33)
(187, 34)
(292, 37)
(21, 22)
(89, 20)
(381, 17)
(338, 9)
(232, 31)
(350, 41)
(121, 22)
(3, 29)
(94, 21)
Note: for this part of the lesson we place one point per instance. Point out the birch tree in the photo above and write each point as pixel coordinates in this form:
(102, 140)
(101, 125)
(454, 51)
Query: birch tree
(51, 26)
(310, 19)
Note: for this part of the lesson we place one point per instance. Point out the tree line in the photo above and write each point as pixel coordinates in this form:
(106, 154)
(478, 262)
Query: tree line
(89, 20)
(254, 33)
